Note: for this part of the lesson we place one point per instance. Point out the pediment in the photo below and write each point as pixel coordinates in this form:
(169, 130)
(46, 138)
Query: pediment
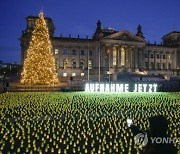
(124, 36)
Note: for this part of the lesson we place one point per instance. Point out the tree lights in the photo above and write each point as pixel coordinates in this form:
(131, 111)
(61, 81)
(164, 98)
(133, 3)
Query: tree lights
(39, 66)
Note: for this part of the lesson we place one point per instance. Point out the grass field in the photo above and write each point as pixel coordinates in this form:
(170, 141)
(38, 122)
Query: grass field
(80, 122)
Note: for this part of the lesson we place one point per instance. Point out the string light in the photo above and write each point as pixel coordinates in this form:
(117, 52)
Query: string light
(39, 66)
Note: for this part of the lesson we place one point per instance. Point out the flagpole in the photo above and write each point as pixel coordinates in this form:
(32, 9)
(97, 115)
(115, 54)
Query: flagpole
(109, 65)
(88, 60)
(99, 65)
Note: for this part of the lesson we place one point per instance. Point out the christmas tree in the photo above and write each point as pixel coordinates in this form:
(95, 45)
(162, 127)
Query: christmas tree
(39, 66)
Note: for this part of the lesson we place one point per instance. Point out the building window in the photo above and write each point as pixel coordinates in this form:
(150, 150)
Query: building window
(82, 74)
(147, 65)
(122, 56)
(64, 74)
(56, 51)
(73, 63)
(73, 52)
(90, 64)
(90, 52)
(82, 52)
(152, 55)
(164, 66)
(114, 56)
(82, 64)
(158, 56)
(4, 66)
(152, 65)
(56, 63)
(73, 74)
(65, 52)
(65, 63)
(169, 66)
(108, 51)
(146, 55)
(164, 56)
(169, 56)
(158, 66)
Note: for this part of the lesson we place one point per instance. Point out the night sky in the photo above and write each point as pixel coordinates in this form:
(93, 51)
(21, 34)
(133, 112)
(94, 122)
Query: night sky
(157, 18)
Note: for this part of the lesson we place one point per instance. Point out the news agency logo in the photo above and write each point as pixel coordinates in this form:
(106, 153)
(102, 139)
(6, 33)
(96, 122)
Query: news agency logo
(141, 139)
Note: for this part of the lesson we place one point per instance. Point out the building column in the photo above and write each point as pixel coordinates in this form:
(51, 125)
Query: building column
(79, 58)
(126, 57)
(107, 57)
(178, 60)
(136, 58)
(96, 57)
(174, 60)
(111, 56)
(148, 59)
(143, 60)
(160, 54)
(119, 56)
(69, 57)
(103, 53)
(117, 60)
(140, 58)
(132, 57)
(154, 60)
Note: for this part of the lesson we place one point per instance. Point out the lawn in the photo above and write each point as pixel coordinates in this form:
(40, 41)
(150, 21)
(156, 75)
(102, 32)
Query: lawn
(74, 122)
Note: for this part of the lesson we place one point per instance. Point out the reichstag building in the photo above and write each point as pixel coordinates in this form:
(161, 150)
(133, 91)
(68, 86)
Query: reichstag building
(109, 53)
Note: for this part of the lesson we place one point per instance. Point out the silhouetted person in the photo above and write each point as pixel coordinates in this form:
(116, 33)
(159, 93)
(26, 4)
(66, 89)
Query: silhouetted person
(158, 128)
(4, 86)
(7, 84)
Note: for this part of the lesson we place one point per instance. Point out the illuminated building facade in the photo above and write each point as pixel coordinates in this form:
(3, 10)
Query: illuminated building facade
(109, 53)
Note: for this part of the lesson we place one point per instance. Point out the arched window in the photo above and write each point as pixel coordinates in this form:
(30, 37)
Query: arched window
(65, 63)
(73, 63)
(82, 66)
(90, 64)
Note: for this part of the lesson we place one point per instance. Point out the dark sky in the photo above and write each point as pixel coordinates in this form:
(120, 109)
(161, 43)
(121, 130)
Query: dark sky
(74, 17)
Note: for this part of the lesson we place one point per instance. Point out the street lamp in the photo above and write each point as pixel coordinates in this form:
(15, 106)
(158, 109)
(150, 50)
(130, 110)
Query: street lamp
(4, 76)
(109, 74)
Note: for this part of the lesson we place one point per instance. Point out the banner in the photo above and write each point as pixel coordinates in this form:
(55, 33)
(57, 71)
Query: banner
(120, 87)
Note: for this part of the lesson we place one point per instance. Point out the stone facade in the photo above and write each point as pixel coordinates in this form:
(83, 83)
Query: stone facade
(110, 53)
